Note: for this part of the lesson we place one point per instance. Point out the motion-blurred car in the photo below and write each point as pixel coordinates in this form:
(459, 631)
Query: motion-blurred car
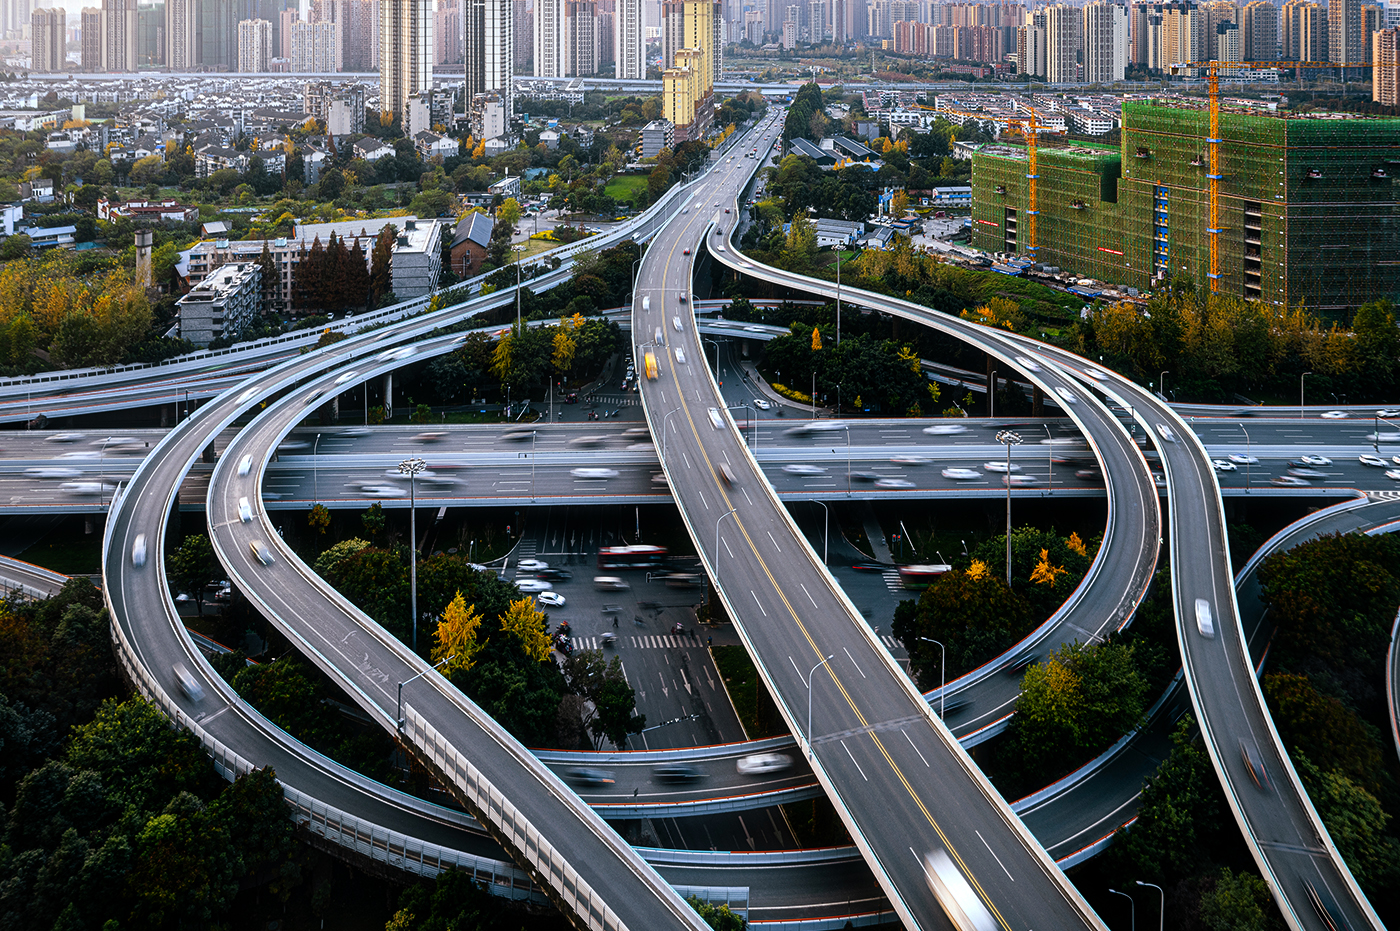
(758, 763)
(1370, 460)
(1289, 481)
(138, 551)
(1223, 465)
(962, 475)
(1315, 460)
(552, 599)
(592, 472)
(533, 585)
(1334, 415)
(677, 772)
(589, 776)
(803, 468)
(1240, 459)
(894, 483)
(999, 465)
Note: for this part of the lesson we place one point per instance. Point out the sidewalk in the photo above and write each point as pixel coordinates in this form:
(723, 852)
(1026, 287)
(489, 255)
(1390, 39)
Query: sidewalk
(760, 387)
(879, 546)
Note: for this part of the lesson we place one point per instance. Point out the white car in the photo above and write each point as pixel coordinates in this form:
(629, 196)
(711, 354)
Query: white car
(81, 454)
(116, 441)
(403, 352)
(716, 418)
(894, 483)
(962, 475)
(1239, 459)
(1316, 460)
(552, 599)
(1223, 465)
(245, 510)
(52, 473)
(1066, 395)
(1027, 364)
(245, 464)
(999, 465)
(1020, 481)
(64, 438)
(761, 404)
(347, 376)
(676, 322)
(1095, 374)
(138, 551)
(382, 490)
(803, 468)
(945, 429)
(1370, 460)
(1334, 415)
(533, 585)
(531, 565)
(910, 460)
(86, 488)
(680, 355)
(1393, 474)
(758, 763)
(1388, 412)
(593, 472)
(1165, 432)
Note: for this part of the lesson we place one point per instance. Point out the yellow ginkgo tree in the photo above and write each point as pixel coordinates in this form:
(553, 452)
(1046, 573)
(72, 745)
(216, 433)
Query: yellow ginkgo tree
(527, 624)
(1044, 572)
(457, 633)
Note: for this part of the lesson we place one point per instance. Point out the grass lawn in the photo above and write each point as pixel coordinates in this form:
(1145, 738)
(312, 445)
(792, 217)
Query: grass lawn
(626, 187)
(74, 556)
(534, 247)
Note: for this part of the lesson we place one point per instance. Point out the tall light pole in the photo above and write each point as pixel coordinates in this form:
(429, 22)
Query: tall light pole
(1010, 439)
(398, 715)
(1162, 920)
(992, 394)
(517, 250)
(837, 249)
(826, 527)
(809, 701)
(411, 468)
(1247, 457)
(717, 523)
(1162, 388)
(1131, 902)
(315, 473)
(1301, 384)
(942, 673)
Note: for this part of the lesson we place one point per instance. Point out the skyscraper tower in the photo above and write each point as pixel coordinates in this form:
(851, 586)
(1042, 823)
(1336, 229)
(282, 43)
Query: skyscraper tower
(630, 48)
(49, 48)
(488, 48)
(405, 53)
(549, 38)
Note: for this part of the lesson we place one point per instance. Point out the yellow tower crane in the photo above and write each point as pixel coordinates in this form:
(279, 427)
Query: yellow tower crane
(1213, 140)
(1030, 127)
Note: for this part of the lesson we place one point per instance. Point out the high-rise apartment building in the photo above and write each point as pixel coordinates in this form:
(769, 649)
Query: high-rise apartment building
(340, 106)
(1105, 42)
(1063, 34)
(673, 29)
(524, 39)
(1182, 35)
(447, 32)
(1217, 12)
(1260, 20)
(1229, 42)
(150, 36)
(118, 20)
(1385, 66)
(254, 46)
(488, 50)
(1030, 46)
(285, 21)
(315, 48)
(405, 53)
(630, 41)
(1304, 31)
(1347, 41)
(549, 38)
(580, 38)
(688, 81)
(90, 32)
(49, 40)
(816, 20)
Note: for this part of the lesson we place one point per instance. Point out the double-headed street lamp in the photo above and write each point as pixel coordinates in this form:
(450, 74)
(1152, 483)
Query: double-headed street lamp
(1011, 439)
(411, 468)
(942, 673)
(809, 701)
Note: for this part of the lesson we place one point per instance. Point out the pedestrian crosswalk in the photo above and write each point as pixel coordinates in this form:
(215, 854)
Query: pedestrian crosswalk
(891, 643)
(641, 642)
(892, 580)
(526, 550)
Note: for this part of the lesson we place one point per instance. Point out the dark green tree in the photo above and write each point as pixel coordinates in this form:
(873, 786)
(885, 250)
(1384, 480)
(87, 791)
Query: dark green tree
(192, 567)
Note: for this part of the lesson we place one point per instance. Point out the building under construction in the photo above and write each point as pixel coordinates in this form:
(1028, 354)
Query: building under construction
(1308, 204)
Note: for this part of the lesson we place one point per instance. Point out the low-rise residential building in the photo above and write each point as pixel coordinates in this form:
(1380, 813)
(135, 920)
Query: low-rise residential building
(210, 159)
(837, 232)
(371, 149)
(10, 217)
(223, 304)
(147, 211)
(469, 244)
(313, 162)
(431, 145)
(50, 237)
(506, 187)
(40, 190)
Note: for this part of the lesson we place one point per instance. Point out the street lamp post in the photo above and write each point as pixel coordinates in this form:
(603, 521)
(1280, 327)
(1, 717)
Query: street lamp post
(942, 672)
(1049, 459)
(1162, 386)
(717, 523)
(411, 468)
(992, 394)
(1010, 439)
(837, 250)
(398, 714)
(1132, 903)
(753, 422)
(315, 472)
(1301, 384)
(1247, 457)
(809, 701)
(826, 528)
(1162, 919)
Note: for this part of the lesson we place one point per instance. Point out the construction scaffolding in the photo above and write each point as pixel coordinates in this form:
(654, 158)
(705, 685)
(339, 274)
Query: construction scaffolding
(1307, 206)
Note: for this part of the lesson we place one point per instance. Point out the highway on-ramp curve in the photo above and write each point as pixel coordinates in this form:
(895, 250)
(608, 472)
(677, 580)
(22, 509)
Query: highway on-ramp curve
(903, 786)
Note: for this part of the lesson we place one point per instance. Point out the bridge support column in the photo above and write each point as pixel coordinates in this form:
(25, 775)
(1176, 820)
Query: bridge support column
(388, 395)
(335, 408)
(1037, 402)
